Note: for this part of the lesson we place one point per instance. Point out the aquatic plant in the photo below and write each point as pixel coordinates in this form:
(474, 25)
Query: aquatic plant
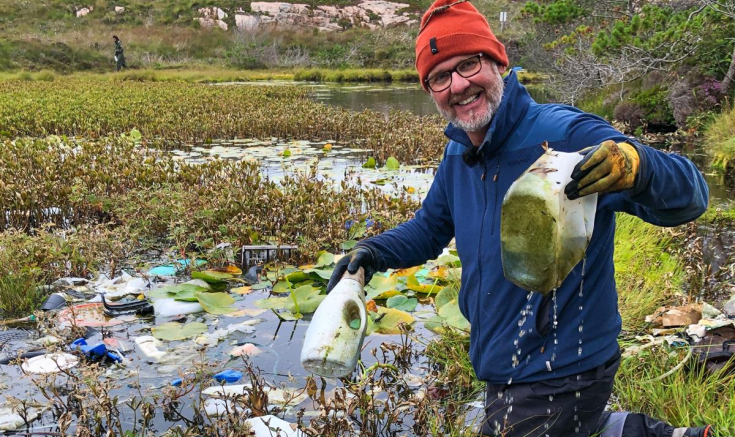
(195, 113)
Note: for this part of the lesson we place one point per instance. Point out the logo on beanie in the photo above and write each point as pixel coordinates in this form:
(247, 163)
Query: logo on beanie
(432, 44)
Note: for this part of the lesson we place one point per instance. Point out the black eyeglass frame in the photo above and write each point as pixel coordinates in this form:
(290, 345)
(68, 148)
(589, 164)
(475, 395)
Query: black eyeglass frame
(479, 61)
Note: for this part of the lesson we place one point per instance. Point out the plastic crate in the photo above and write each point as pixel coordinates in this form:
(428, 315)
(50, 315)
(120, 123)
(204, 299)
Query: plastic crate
(263, 254)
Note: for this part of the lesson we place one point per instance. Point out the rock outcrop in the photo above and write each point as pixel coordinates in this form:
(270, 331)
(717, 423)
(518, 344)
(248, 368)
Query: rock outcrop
(212, 16)
(369, 13)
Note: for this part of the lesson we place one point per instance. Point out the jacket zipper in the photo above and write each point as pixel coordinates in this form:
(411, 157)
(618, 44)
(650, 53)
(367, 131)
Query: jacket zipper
(495, 203)
(482, 224)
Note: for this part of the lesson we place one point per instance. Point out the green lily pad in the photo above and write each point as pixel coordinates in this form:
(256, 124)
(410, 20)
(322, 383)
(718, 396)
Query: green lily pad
(308, 299)
(370, 163)
(272, 303)
(176, 331)
(135, 135)
(325, 259)
(188, 295)
(319, 274)
(453, 317)
(381, 181)
(382, 287)
(262, 285)
(413, 284)
(287, 316)
(217, 283)
(348, 245)
(403, 303)
(171, 290)
(388, 320)
(216, 303)
(449, 259)
(214, 274)
(392, 163)
(447, 295)
(282, 287)
(297, 276)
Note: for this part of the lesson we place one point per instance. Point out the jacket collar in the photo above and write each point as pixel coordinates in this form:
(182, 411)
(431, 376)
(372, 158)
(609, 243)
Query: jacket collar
(513, 108)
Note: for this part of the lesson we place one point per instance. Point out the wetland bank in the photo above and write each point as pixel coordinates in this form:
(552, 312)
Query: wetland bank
(117, 178)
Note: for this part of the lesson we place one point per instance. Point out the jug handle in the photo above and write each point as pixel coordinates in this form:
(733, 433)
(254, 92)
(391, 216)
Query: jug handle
(359, 276)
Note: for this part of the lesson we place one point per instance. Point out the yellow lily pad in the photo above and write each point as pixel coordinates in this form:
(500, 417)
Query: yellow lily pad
(388, 320)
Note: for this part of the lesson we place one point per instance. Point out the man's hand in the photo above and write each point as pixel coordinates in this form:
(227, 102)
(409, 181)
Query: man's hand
(606, 168)
(361, 256)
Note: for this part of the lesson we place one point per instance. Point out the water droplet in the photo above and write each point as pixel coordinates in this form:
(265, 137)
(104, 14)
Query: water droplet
(576, 429)
(581, 307)
(500, 395)
(551, 398)
(510, 409)
(579, 352)
(515, 343)
(576, 417)
(577, 394)
(581, 328)
(548, 411)
(522, 333)
(510, 381)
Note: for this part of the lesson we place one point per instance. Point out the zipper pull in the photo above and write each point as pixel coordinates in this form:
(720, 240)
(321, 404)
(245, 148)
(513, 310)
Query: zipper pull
(497, 172)
(483, 175)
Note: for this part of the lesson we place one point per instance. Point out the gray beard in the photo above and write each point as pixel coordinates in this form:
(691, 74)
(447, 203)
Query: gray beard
(476, 123)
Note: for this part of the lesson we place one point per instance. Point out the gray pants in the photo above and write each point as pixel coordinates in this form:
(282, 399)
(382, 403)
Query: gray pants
(569, 407)
(120, 62)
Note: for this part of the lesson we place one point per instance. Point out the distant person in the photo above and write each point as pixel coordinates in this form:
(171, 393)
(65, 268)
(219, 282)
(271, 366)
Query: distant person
(119, 55)
(555, 379)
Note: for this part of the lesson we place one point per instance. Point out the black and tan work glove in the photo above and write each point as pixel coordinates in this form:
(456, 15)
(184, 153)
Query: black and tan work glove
(605, 168)
(361, 256)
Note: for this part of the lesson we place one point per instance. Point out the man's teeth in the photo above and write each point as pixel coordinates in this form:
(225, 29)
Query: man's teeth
(469, 100)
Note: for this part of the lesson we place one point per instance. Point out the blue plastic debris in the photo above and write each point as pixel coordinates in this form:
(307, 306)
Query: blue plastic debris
(173, 269)
(176, 382)
(96, 352)
(228, 376)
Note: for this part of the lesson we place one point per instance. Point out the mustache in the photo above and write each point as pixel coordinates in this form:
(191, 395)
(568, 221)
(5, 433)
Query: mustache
(471, 92)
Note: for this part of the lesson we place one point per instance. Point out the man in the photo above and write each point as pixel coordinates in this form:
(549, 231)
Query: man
(550, 377)
(119, 56)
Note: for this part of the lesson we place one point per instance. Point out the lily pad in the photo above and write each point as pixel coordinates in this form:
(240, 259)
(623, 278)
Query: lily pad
(320, 274)
(447, 295)
(188, 295)
(261, 285)
(308, 299)
(325, 259)
(348, 245)
(370, 163)
(282, 287)
(392, 163)
(297, 276)
(171, 290)
(287, 316)
(382, 287)
(406, 272)
(413, 284)
(216, 303)
(217, 274)
(176, 331)
(449, 259)
(231, 269)
(453, 317)
(388, 321)
(272, 303)
(403, 303)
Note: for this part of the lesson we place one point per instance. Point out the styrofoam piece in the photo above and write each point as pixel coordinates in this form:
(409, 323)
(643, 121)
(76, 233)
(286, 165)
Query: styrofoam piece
(268, 426)
(167, 307)
(11, 421)
(49, 363)
(151, 347)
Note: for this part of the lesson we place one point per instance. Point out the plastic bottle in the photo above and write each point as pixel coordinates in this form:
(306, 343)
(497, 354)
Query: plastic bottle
(334, 338)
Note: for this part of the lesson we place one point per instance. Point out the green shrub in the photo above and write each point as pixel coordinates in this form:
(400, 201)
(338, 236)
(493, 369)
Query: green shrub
(21, 292)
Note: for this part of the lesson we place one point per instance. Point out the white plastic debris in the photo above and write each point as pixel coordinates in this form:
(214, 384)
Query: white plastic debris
(268, 426)
(49, 363)
(150, 347)
(167, 307)
(10, 420)
(212, 338)
(543, 234)
(120, 286)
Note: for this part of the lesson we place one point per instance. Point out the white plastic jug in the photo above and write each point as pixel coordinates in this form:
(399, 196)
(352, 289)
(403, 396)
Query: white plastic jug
(543, 234)
(334, 338)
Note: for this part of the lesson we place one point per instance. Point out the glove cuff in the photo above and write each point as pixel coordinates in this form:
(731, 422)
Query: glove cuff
(633, 158)
(378, 260)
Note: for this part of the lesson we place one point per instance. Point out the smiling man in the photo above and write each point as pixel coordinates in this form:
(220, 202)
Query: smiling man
(546, 376)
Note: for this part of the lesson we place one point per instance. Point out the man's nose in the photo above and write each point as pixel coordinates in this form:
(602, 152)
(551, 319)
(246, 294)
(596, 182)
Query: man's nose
(459, 83)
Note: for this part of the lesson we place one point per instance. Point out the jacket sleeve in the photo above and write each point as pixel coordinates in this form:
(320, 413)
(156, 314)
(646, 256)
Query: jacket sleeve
(669, 189)
(423, 237)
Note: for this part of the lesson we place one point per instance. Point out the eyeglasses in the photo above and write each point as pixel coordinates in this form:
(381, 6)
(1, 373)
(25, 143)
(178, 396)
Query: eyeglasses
(467, 68)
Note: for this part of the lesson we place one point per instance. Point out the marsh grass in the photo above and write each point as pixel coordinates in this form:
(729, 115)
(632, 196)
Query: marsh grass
(21, 292)
(720, 137)
(688, 397)
(647, 275)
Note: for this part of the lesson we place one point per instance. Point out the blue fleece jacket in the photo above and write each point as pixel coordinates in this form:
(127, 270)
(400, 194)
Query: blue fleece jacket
(464, 203)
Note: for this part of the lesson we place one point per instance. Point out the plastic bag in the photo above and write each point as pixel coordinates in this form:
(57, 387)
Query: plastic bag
(543, 234)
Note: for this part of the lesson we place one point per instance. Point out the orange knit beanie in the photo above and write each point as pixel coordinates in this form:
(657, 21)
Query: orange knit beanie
(451, 28)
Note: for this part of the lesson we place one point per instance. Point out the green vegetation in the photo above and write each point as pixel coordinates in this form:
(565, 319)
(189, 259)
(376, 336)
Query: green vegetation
(21, 292)
(721, 140)
(198, 113)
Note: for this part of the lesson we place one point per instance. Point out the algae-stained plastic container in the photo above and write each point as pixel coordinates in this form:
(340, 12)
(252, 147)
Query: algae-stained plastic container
(543, 234)
(334, 338)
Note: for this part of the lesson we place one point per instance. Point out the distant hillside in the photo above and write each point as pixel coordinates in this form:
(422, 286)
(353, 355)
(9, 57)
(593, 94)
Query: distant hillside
(66, 35)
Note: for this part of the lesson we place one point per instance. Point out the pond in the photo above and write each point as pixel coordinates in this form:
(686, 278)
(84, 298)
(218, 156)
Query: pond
(379, 97)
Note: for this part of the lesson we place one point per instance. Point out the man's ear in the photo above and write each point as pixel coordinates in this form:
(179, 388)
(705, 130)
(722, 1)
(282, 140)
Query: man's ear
(502, 68)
